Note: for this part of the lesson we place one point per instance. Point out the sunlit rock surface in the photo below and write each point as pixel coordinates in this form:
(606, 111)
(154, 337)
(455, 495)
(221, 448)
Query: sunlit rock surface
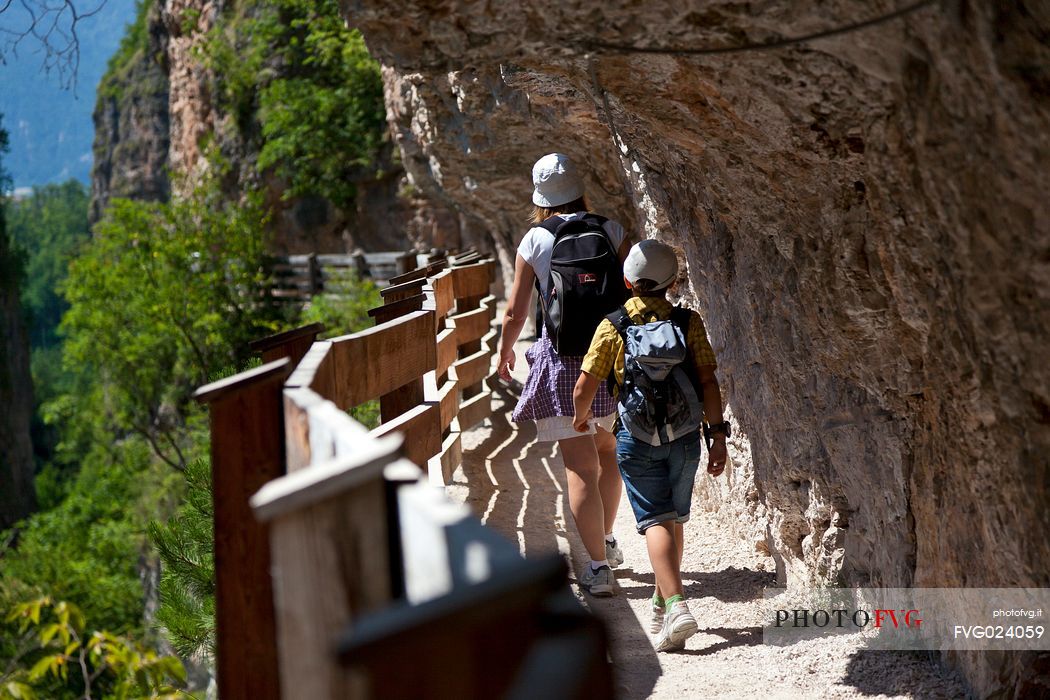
(864, 219)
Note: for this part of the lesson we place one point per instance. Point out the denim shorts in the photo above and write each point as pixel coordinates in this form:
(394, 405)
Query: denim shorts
(659, 480)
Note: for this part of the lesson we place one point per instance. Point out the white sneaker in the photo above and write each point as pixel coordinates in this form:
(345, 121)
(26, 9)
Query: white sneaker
(679, 625)
(656, 617)
(613, 553)
(600, 583)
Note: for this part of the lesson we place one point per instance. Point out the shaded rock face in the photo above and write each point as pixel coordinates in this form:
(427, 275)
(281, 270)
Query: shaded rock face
(864, 223)
(17, 494)
(132, 126)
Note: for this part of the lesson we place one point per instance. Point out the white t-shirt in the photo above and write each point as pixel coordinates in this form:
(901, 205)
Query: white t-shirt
(535, 248)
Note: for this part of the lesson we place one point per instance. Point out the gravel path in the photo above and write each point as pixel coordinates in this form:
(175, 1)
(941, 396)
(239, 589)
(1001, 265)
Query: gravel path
(517, 486)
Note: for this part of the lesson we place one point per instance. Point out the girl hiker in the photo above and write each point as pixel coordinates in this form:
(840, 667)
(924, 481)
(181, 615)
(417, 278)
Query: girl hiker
(663, 365)
(574, 258)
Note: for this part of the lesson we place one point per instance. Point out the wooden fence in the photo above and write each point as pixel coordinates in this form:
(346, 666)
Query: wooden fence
(300, 277)
(356, 577)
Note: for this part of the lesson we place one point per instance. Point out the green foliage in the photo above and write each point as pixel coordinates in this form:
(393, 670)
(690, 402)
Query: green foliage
(343, 308)
(162, 297)
(86, 548)
(291, 71)
(132, 45)
(187, 586)
(48, 226)
(60, 657)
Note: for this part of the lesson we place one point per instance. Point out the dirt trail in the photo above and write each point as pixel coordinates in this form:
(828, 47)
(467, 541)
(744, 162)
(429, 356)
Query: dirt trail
(517, 486)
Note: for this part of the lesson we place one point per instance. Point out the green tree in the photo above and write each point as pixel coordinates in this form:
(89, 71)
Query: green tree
(163, 296)
(69, 660)
(187, 586)
(304, 87)
(47, 227)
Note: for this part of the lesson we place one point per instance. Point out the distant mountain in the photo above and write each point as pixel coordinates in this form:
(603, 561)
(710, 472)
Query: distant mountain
(50, 128)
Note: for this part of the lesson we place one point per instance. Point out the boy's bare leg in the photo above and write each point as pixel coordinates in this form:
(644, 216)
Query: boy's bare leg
(582, 470)
(609, 482)
(679, 540)
(663, 555)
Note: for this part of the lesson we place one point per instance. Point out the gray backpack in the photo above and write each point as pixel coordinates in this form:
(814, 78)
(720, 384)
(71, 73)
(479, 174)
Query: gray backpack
(661, 398)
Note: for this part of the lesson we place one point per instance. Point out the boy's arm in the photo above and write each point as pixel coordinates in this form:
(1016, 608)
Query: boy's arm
(582, 396)
(716, 456)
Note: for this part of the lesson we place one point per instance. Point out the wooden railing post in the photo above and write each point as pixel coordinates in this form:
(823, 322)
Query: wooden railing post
(247, 451)
(330, 545)
(313, 274)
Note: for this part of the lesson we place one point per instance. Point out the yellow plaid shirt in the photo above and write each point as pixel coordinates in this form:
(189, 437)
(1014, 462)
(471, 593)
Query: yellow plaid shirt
(606, 349)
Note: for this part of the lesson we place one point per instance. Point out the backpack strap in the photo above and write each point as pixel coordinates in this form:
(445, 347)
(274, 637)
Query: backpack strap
(621, 321)
(554, 222)
(681, 318)
(551, 224)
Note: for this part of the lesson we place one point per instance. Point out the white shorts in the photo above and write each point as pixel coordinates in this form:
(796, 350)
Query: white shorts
(560, 427)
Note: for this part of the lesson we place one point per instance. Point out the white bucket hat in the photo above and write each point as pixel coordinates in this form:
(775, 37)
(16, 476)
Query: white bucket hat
(651, 260)
(556, 181)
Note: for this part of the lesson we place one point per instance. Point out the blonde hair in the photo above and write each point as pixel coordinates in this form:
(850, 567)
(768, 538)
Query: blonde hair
(541, 214)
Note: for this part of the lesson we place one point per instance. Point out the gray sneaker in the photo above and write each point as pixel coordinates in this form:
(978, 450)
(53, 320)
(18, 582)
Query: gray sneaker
(656, 617)
(679, 625)
(600, 583)
(613, 553)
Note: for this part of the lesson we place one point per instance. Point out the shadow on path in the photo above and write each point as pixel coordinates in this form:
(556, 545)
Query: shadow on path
(517, 486)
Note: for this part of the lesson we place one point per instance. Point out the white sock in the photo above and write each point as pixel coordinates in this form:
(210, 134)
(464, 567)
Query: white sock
(610, 538)
(595, 564)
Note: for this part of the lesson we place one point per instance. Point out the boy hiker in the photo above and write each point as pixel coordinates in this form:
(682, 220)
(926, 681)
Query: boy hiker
(659, 357)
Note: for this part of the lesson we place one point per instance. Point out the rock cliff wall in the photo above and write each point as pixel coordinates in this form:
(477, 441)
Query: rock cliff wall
(158, 110)
(17, 494)
(864, 222)
(132, 122)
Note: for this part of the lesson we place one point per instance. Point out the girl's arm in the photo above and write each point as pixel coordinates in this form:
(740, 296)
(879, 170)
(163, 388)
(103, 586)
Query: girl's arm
(515, 315)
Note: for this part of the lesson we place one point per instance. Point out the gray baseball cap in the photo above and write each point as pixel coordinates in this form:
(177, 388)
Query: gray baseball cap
(651, 260)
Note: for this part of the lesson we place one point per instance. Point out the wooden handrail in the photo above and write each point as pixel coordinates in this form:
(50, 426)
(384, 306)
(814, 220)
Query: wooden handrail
(357, 539)
(292, 344)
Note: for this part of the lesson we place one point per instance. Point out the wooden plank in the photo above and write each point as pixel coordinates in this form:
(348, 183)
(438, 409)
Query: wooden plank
(292, 344)
(247, 451)
(395, 475)
(444, 396)
(330, 567)
(396, 309)
(472, 325)
(378, 360)
(471, 280)
(446, 350)
(406, 262)
(307, 369)
(303, 489)
(401, 400)
(273, 371)
(443, 465)
(338, 260)
(474, 410)
(451, 638)
(397, 292)
(473, 368)
(297, 428)
(420, 273)
(422, 432)
(443, 287)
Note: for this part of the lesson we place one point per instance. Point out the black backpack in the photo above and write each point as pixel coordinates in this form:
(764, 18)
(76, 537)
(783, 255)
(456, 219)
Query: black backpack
(585, 283)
